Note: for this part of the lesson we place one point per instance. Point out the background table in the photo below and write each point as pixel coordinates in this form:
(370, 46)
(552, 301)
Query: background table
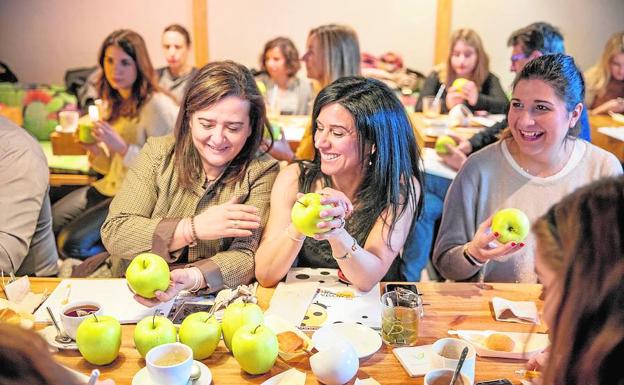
(610, 144)
(447, 306)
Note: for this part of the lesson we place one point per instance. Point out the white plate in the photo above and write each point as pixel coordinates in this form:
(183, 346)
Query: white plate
(617, 117)
(48, 333)
(142, 377)
(365, 340)
(526, 344)
(294, 375)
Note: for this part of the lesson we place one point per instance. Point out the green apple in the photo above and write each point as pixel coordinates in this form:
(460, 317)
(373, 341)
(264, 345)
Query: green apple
(255, 348)
(459, 83)
(153, 331)
(511, 224)
(201, 332)
(148, 273)
(237, 315)
(99, 339)
(305, 214)
(441, 142)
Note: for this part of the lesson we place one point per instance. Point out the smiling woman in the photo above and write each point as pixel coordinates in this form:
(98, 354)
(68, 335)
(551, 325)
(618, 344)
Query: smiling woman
(199, 198)
(538, 161)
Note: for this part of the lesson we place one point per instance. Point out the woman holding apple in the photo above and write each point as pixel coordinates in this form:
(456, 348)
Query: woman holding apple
(136, 110)
(538, 161)
(467, 77)
(199, 197)
(367, 168)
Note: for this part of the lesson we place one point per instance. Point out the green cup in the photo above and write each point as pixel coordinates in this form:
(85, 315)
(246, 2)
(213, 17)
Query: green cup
(84, 132)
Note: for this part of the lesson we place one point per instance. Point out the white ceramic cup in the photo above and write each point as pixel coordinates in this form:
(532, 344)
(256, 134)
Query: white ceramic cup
(443, 377)
(445, 354)
(68, 120)
(336, 365)
(176, 374)
(70, 324)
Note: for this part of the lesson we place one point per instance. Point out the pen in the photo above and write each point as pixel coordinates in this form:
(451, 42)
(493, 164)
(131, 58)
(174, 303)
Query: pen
(94, 376)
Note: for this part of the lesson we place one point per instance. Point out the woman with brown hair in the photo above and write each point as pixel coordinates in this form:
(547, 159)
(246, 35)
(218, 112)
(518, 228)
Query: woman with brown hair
(605, 80)
(175, 77)
(26, 360)
(279, 64)
(467, 60)
(580, 262)
(134, 110)
(199, 198)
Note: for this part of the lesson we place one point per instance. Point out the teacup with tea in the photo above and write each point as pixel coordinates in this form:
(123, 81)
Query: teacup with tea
(170, 364)
(74, 313)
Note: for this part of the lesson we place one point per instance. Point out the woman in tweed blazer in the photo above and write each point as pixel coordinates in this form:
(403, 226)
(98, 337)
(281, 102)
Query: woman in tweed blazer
(199, 198)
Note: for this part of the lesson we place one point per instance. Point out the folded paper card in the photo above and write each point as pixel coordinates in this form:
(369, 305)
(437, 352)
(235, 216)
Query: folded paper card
(515, 311)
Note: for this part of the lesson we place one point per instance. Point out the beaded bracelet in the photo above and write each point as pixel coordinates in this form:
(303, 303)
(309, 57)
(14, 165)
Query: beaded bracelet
(193, 233)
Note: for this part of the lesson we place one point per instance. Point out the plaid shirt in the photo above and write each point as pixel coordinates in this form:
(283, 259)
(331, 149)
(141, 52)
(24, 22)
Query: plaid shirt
(150, 204)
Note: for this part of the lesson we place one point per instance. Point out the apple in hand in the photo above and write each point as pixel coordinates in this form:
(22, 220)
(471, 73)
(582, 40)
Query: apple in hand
(459, 84)
(148, 273)
(305, 214)
(237, 315)
(99, 339)
(201, 332)
(153, 331)
(511, 224)
(255, 348)
(441, 142)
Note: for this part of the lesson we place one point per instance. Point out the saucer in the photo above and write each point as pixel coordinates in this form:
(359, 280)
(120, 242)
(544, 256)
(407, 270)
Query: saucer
(48, 334)
(365, 340)
(142, 377)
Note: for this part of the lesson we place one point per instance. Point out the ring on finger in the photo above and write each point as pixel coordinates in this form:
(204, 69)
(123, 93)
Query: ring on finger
(342, 224)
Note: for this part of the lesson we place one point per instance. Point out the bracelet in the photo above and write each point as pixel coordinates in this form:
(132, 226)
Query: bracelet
(472, 260)
(197, 275)
(193, 233)
(291, 237)
(347, 255)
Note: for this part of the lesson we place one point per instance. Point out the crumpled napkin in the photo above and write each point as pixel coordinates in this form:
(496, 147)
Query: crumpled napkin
(515, 311)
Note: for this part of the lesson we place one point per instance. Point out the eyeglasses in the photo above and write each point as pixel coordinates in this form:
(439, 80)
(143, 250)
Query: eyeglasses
(518, 56)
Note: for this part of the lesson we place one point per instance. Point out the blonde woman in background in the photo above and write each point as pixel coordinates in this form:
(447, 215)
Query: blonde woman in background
(332, 52)
(605, 80)
(467, 59)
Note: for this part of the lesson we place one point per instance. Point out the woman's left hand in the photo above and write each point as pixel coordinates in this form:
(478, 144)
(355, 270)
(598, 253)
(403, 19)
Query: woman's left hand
(180, 279)
(104, 132)
(342, 209)
(470, 93)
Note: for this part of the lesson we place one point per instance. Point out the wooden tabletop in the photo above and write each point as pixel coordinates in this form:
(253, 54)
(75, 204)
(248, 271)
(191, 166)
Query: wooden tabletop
(447, 306)
(610, 144)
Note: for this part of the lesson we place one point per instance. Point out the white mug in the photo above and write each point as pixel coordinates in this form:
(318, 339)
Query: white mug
(176, 373)
(444, 376)
(70, 324)
(445, 354)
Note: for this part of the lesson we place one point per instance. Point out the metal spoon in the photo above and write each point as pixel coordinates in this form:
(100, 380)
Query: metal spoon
(60, 337)
(464, 353)
(195, 374)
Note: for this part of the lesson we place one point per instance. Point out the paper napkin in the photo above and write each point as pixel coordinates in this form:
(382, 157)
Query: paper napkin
(515, 311)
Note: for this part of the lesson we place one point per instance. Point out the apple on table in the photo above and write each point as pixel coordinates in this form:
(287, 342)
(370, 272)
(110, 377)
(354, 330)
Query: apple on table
(148, 273)
(235, 316)
(99, 339)
(255, 347)
(511, 224)
(153, 331)
(305, 214)
(201, 332)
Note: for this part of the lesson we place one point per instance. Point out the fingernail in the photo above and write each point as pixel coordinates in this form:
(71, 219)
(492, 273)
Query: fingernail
(323, 214)
(521, 244)
(513, 244)
(496, 234)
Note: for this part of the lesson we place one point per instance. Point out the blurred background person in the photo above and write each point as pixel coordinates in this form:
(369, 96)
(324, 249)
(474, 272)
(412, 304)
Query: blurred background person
(538, 161)
(135, 110)
(175, 77)
(580, 261)
(605, 80)
(468, 60)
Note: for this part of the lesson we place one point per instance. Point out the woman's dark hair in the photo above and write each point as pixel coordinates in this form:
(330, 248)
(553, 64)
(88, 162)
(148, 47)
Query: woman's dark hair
(145, 84)
(212, 83)
(26, 359)
(288, 49)
(388, 151)
(181, 30)
(581, 240)
(561, 73)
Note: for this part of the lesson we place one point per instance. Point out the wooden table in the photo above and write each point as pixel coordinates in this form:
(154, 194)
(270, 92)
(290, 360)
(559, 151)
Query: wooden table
(447, 306)
(420, 125)
(610, 144)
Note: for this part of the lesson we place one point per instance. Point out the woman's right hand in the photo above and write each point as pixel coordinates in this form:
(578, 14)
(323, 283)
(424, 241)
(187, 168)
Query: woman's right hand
(480, 248)
(228, 220)
(453, 97)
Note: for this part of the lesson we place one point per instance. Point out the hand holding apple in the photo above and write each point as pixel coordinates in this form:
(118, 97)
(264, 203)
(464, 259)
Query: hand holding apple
(201, 332)
(511, 224)
(153, 331)
(305, 214)
(459, 83)
(236, 315)
(480, 245)
(148, 273)
(255, 348)
(180, 279)
(442, 142)
(99, 339)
